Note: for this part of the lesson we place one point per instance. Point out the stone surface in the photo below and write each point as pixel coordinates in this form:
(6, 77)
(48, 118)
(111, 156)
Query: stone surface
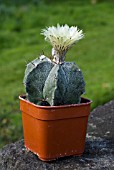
(98, 155)
(101, 122)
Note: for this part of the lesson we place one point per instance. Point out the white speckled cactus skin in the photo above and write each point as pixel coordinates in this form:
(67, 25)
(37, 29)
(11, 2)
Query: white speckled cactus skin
(48, 83)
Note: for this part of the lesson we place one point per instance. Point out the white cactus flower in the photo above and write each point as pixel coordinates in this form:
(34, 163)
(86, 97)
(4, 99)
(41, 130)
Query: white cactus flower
(62, 38)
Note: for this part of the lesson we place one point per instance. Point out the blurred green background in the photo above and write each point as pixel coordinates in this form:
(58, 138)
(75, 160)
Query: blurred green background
(20, 42)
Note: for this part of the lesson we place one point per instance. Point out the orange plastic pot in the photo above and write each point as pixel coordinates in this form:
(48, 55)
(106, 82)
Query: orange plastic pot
(51, 132)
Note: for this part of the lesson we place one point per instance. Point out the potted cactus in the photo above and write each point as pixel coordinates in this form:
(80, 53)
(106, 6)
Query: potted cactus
(54, 114)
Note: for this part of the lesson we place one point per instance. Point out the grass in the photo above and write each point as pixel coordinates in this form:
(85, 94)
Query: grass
(21, 42)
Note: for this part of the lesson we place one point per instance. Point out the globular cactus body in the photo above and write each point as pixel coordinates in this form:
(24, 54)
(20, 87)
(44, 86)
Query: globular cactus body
(48, 83)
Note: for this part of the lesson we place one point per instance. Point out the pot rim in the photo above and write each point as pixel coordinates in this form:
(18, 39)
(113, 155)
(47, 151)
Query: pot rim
(87, 102)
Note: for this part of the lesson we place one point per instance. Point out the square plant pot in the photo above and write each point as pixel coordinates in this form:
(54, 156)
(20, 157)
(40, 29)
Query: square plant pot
(51, 132)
